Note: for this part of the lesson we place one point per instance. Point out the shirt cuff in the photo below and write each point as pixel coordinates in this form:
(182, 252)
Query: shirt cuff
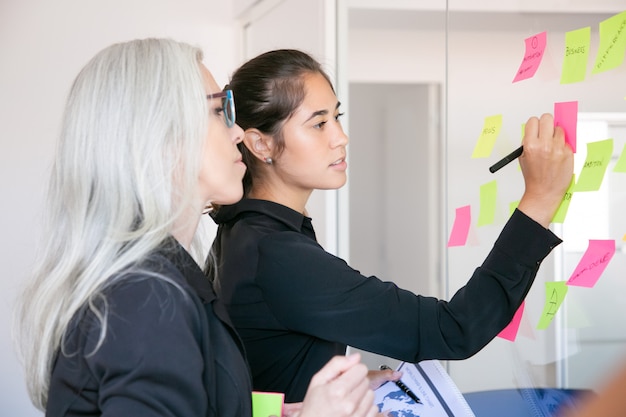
(524, 239)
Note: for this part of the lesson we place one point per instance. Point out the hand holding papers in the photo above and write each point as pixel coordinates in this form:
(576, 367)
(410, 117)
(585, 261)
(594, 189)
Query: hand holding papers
(428, 380)
(403, 387)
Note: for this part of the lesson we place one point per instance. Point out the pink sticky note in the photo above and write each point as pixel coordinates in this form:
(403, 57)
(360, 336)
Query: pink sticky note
(510, 331)
(535, 47)
(593, 263)
(566, 116)
(460, 229)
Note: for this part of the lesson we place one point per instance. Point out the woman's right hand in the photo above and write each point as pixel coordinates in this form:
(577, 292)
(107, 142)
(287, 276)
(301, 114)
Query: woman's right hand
(548, 165)
(340, 388)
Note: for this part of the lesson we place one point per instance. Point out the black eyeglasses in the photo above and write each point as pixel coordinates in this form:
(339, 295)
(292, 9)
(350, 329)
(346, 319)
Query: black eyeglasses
(228, 105)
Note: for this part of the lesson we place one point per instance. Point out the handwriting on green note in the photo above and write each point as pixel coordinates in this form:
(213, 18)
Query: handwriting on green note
(555, 294)
(559, 216)
(597, 161)
(576, 54)
(612, 43)
(488, 136)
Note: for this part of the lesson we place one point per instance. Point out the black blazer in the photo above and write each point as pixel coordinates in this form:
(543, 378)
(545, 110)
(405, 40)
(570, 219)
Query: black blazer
(295, 305)
(169, 350)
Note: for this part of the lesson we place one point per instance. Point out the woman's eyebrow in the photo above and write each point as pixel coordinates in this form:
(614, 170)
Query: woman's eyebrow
(321, 112)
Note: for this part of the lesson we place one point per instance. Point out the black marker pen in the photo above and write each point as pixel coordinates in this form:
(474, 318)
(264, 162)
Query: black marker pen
(402, 386)
(505, 161)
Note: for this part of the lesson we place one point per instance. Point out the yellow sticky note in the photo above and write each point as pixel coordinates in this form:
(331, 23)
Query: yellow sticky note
(488, 194)
(598, 158)
(265, 404)
(612, 43)
(512, 206)
(576, 54)
(488, 136)
(555, 294)
(559, 216)
(620, 165)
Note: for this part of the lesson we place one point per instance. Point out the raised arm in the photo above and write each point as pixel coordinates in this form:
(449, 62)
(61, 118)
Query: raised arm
(547, 164)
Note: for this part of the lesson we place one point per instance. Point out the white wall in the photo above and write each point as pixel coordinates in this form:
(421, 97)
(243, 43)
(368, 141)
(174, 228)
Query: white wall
(43, 45)
(308, 26)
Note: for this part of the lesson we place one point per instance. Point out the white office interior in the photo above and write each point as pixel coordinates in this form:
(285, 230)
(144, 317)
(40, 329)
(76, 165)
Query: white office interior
(417, 80)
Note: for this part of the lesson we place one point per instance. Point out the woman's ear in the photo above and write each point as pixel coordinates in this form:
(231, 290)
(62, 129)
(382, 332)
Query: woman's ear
(258, 143)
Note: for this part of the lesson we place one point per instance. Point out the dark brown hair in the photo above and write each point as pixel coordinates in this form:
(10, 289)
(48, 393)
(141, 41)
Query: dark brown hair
(268, 89)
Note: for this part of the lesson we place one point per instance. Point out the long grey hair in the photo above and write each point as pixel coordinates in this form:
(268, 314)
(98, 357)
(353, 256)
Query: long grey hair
(125, 172)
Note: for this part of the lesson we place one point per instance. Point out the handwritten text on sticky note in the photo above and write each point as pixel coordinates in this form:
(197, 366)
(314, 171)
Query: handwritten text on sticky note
(576, 54)
(555, 294)
(559, 216)
(597, 161)
(593, 263)
(612, 43)
(488, 136)
(535, 47)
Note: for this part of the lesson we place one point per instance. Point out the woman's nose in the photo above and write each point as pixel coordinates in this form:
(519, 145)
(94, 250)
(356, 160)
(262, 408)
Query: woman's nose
(238, 131)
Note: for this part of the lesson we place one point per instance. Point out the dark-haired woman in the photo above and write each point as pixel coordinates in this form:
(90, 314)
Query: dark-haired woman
(294, 304)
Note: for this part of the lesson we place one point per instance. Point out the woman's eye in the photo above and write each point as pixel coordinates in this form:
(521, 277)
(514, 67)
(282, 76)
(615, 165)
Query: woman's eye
(338, 116)
(319, 125)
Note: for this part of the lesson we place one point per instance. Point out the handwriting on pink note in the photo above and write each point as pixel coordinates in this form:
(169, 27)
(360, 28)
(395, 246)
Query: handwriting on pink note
(460, 229)
(593, 263)
(510, 331)
(535, 47)
(566, 116)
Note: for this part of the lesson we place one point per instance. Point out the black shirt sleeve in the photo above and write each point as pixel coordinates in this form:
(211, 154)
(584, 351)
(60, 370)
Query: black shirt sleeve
(314, 292)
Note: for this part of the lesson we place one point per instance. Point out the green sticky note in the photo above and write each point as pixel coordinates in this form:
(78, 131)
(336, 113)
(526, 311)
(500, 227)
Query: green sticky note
(555, 294)
(488, 194)
(576, 54)
(598, 157)
(559, 216)
(512, 206)
(488, 136)
(265, 404)
(612, 43)
(620, 166)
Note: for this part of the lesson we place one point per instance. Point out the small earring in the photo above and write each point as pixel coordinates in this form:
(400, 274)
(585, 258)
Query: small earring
(268, 160)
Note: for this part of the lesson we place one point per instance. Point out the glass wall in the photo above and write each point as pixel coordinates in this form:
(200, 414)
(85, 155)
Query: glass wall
(436, 92)
(504, 65)
(479, 70)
